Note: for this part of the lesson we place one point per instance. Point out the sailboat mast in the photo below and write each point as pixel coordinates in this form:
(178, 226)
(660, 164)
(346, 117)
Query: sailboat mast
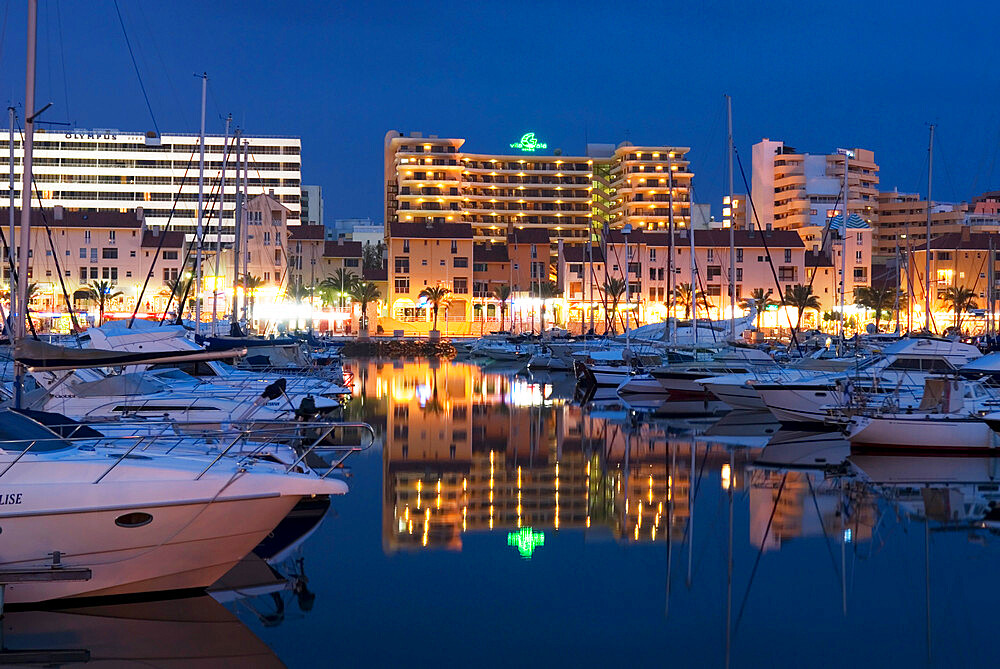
(628, 297)
(25, 242)
(898, 286)
(843, 252)
(694, 287)
(238, 223)
(732, 220)
(218, 227)
(927, 252)
(671, 321)
(11, 256)
(245, 245)
(199, 235)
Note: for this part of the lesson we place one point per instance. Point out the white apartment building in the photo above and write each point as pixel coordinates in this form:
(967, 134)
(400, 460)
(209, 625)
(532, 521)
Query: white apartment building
(115, 171)
(312, 205)
(801, 191)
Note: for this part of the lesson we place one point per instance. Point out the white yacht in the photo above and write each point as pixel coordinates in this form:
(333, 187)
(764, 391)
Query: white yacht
(948, 419)
(138, 523)
(682, 380)
(901, 368)
(148, 338)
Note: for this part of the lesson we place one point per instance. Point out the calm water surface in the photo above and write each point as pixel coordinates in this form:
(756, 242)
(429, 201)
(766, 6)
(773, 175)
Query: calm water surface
(497, 523)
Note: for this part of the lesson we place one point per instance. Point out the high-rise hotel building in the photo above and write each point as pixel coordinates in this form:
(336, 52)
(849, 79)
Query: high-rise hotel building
(432, 180)
(113, 171)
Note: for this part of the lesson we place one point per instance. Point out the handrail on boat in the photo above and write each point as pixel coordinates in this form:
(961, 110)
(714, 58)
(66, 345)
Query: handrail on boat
(348, 450)
(263, 436)
(138, 440)
(19, 456)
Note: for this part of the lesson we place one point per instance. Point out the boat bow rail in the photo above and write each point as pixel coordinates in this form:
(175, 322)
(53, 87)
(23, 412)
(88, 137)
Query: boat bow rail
(244, 445)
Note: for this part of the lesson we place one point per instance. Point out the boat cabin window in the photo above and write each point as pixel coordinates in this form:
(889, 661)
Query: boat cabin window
(18, 432)
(160, 408)
(921, 365)
(196, 368)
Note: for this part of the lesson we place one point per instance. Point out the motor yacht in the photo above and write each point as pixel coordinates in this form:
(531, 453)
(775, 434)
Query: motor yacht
(139, 523)
(902, 367)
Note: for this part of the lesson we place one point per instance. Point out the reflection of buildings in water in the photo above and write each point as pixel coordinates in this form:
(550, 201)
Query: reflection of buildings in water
(192, 632)
(954, 491)
(655, 493)
(512, 468)
(471, 451)
(805, 504)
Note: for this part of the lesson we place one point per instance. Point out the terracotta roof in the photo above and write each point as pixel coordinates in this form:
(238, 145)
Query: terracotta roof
(430, 230)
(714, 238)
(490, 253)
(375, 274)
(82, 219)
(578, 253)
(529, 236)
(954, 241)
(304, 232)
(342, 249)
(173, 239)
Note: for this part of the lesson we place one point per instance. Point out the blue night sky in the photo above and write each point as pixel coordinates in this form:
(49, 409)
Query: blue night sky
(816, 75)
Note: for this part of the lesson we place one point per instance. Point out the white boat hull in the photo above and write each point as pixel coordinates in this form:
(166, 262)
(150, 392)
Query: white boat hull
(918, 432)
(737, 396)
(799, 404)
(642, 384)
(186, 546)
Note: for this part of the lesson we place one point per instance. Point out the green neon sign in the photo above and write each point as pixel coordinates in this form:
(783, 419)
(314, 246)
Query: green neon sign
(528, 142)
(526, 540)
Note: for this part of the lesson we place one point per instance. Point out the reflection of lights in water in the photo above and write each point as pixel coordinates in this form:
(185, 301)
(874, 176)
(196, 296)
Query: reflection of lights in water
(526, 540)
(524, 394)
(423, 393)
(726, 476)
(847, 535)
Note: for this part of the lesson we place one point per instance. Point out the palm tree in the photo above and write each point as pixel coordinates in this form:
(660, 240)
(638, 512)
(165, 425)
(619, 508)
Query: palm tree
(251, 284)
(502, 294)
(802, 298)
(340, 284)
(365, 292)
(436, 295)
(614, 288)
(960, 299)
(878, 299)
(371, 255)
(762, 299)
(690, 298)
(101, 292)
(544, 290)
(299, 293)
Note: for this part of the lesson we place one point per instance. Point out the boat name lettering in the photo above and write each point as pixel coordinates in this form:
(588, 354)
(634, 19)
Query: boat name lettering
(10, 498)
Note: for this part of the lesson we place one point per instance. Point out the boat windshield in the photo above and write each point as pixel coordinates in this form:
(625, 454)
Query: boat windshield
(18, 432)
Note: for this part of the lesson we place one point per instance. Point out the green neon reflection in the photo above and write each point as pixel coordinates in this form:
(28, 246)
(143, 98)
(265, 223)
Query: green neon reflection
(526, 540)
(528, 142)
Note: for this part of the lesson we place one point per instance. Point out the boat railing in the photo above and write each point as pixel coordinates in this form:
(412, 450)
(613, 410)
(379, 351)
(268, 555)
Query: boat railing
(309, 437)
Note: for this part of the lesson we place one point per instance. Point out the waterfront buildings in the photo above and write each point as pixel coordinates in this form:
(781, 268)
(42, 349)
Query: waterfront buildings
(804, 192)
(102, 171)
(801, 191)
(902, 220)
(648, 273)
(433, 180)
(958, 260)
(312, 205)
